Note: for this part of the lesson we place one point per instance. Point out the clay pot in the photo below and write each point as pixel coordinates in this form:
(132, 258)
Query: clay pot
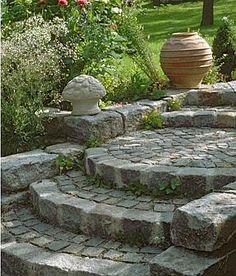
(186, 58)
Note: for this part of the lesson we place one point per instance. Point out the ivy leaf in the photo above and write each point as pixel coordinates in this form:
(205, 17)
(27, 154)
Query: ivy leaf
(163, 185)
(169, 191)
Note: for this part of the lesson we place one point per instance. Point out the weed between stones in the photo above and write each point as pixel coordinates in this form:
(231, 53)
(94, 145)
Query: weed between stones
(152, 120)
(70, 162)
(164, 188)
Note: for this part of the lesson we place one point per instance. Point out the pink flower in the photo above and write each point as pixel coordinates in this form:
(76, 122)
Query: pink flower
(82, 3)
(62, 3)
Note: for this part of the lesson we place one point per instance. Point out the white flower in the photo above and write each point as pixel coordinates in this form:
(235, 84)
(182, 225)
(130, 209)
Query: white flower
(116, 10)
(105, 1)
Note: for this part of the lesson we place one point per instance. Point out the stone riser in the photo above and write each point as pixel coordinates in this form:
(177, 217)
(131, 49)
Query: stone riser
(177, 261)
(21, 259)
(121, 173)
(212, 119)
(206, 224)
(20, 170)
(106, 221)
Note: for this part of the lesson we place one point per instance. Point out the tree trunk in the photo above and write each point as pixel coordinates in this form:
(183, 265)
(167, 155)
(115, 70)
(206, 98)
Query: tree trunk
(207, 13)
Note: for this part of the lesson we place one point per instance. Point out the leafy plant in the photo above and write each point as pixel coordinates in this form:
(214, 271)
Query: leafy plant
(152, 120)
(92, 142)
(138, 189)
(137, 44)
(32, 72)
(64, 163)
(224, 47)
(213, 75)
(174, 104)
(169, 187)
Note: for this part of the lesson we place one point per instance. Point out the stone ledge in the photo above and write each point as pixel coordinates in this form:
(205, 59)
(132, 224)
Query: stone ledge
(177, 261)
(31, 259)
(121, 172)
(114, 121)
(205, 224)
(23, 226)
(20, 170)
(105, 125)
(201, 118)
(13, 199)
(92, 218)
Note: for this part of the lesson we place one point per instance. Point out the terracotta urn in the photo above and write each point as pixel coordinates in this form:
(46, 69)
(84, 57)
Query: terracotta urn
(84, 93)
(185, 59)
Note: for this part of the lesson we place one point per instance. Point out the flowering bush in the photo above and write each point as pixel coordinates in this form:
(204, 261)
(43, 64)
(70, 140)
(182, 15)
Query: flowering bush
(32, 71)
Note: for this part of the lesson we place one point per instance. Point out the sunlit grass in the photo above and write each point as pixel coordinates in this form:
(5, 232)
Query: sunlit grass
(160, 22)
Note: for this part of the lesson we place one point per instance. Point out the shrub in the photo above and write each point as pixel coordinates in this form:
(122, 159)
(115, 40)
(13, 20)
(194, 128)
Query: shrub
(213, 75)
(153, 120)
(140, 51)
(174, 104)
(32, 71)
(224, 47)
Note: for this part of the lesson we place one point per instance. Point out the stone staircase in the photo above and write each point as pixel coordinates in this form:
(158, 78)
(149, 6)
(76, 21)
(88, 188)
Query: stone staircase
(160, 202)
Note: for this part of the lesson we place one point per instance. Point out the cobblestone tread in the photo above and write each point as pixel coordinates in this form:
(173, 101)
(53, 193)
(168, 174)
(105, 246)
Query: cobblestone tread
(31, 234)
(121, 221)
(185, 147)
(201, 158)
(76, 183)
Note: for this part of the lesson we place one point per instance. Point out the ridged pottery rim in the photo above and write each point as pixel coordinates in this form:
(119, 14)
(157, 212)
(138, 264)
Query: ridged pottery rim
(187, 49)
(184, 34)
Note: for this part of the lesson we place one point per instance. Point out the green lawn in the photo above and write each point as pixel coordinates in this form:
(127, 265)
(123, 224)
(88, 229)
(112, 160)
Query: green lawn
(160, 22)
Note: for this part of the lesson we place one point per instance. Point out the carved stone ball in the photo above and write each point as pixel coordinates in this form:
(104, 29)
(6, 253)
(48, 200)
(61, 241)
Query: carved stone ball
(84, 93)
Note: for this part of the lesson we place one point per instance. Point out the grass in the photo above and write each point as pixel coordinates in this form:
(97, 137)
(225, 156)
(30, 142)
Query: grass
(160, 22)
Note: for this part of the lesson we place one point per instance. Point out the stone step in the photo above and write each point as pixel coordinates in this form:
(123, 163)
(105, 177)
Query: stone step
(74, 203)
(219, 94)
(206, 224)
(117, 120)
(34, 260)
(19, 170)
(177, 261)
(35, 246)
(216, 117)
(13, 199)
(201, 159)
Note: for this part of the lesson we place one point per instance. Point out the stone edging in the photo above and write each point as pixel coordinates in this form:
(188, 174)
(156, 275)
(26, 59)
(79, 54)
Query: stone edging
(20, 170)
(31, 259)
(195, 181)
(99, 219)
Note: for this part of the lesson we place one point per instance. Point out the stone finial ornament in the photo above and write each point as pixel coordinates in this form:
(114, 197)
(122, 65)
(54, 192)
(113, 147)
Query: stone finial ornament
(84, 93)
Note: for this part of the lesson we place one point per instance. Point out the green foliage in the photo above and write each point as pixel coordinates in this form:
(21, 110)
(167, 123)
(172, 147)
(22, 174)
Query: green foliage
(174, 104)
(169, 187)
(164, 188)
(98, 181)
(152, 120)
(32, 72)
(138, 189)
(213, 75)
(224, 47)
(64, 163)
(93, 142)
(138, 46)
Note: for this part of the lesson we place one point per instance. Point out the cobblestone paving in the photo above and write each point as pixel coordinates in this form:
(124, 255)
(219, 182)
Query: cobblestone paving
(77, 184)
(24, 226)
(181, 147)
(209, 108)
